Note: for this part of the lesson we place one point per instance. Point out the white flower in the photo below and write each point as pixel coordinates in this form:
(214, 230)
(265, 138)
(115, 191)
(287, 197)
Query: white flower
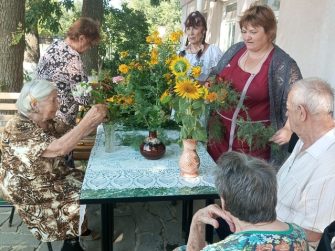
(93, 79)
(82, 89)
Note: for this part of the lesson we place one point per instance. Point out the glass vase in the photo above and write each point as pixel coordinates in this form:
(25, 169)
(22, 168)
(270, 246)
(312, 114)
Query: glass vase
(110, 137)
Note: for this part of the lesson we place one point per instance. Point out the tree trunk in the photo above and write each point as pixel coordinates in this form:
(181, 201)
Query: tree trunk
(32, 52)
(93, 9)
(11, 44)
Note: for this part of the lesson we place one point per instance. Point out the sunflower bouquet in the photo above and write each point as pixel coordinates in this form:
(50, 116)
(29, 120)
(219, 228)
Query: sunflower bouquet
(147, 76)
(192, 101)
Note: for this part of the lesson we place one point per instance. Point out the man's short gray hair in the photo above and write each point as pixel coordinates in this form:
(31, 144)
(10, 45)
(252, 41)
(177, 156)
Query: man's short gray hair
(315, 94)
(37, 89)
(248, 186)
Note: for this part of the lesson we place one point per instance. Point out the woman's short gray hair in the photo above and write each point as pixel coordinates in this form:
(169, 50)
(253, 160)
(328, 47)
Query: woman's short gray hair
(248, 186)
(37, 89)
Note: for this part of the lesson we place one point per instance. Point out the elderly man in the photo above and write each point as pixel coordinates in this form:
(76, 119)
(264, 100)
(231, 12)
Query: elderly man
(306, 181)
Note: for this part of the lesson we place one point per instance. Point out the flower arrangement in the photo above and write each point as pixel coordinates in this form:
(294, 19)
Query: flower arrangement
(147, 76)
(192, 101)
(108, 90)
(255, 134)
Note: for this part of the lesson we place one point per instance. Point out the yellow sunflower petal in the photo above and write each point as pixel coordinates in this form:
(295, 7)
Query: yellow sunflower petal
(188, 89)
(180, 66)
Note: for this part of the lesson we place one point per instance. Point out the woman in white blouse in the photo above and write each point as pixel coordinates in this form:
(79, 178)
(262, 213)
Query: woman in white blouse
(197, 51)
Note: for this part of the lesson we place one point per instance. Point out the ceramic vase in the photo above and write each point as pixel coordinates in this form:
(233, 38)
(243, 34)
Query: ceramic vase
(110, 137)
(189, 161)
(152, 148)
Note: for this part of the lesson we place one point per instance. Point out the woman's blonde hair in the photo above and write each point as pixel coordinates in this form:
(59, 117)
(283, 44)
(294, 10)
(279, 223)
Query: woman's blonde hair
(35, 90)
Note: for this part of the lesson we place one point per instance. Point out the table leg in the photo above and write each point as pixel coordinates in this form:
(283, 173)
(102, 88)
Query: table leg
(187, 215)
(107, 225)
(209, 228)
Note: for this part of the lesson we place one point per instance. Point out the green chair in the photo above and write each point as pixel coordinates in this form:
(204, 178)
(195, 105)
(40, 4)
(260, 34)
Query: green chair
(4, 203)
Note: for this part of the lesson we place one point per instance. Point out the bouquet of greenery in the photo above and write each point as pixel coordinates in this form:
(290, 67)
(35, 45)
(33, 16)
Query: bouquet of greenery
(147, 76)
(108, 90)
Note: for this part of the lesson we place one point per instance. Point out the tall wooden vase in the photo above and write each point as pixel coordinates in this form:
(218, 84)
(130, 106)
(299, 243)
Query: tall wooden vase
(189, 161)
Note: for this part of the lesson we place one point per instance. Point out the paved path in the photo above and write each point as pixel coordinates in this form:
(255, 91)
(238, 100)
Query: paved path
(154, 226)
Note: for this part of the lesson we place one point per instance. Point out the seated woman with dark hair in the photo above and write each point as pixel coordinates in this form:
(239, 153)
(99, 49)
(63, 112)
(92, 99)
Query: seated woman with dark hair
(248, 191)
(33, 174)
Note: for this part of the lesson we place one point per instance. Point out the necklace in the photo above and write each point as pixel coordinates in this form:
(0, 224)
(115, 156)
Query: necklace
(254, 68)
(192, 50)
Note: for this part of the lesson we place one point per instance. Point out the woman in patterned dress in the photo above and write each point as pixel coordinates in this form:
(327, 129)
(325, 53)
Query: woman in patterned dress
(62, 64)
(33, 175)
(248, 191)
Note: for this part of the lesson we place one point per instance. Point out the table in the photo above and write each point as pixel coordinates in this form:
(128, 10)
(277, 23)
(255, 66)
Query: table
(126, 176)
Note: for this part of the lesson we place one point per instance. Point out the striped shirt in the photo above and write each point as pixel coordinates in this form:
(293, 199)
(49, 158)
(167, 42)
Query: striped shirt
(306, 185)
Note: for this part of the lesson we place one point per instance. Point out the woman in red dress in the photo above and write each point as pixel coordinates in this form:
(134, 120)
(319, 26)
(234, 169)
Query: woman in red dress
(262, 73)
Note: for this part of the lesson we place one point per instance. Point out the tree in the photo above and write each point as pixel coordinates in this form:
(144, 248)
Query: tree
(42, 15)
(11, 44)
(93, 9)
(123, 30)
(159, 13)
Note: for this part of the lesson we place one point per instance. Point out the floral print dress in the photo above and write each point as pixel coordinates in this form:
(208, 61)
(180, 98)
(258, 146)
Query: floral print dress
(43, 190)
(294, 239)
(63, 65)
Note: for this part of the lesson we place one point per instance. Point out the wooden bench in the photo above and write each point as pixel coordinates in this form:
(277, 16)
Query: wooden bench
(7, 107)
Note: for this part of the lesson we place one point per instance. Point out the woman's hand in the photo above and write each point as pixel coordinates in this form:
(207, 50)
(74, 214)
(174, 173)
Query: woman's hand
(282, 136)
(95, 115)
(209, 214)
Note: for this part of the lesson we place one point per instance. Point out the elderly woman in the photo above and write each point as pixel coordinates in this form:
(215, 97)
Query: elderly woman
(262, 73)
(33, 175)
(62, 64)
(248, 191)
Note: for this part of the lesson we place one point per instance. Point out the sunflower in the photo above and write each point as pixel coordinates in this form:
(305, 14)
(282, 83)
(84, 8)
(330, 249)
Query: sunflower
(187, 88)
(180, 66)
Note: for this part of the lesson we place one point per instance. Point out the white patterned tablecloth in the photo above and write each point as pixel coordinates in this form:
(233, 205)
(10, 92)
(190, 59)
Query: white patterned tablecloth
(125, 169)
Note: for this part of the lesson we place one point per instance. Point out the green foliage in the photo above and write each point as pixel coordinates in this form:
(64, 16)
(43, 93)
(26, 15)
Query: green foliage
(146, 78)
(159, 13)
(46, 15)
(123, 30)
(255, 134)
(17, 35)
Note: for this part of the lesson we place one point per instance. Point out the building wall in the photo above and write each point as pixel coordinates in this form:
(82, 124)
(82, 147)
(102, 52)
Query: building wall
(305, 30)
